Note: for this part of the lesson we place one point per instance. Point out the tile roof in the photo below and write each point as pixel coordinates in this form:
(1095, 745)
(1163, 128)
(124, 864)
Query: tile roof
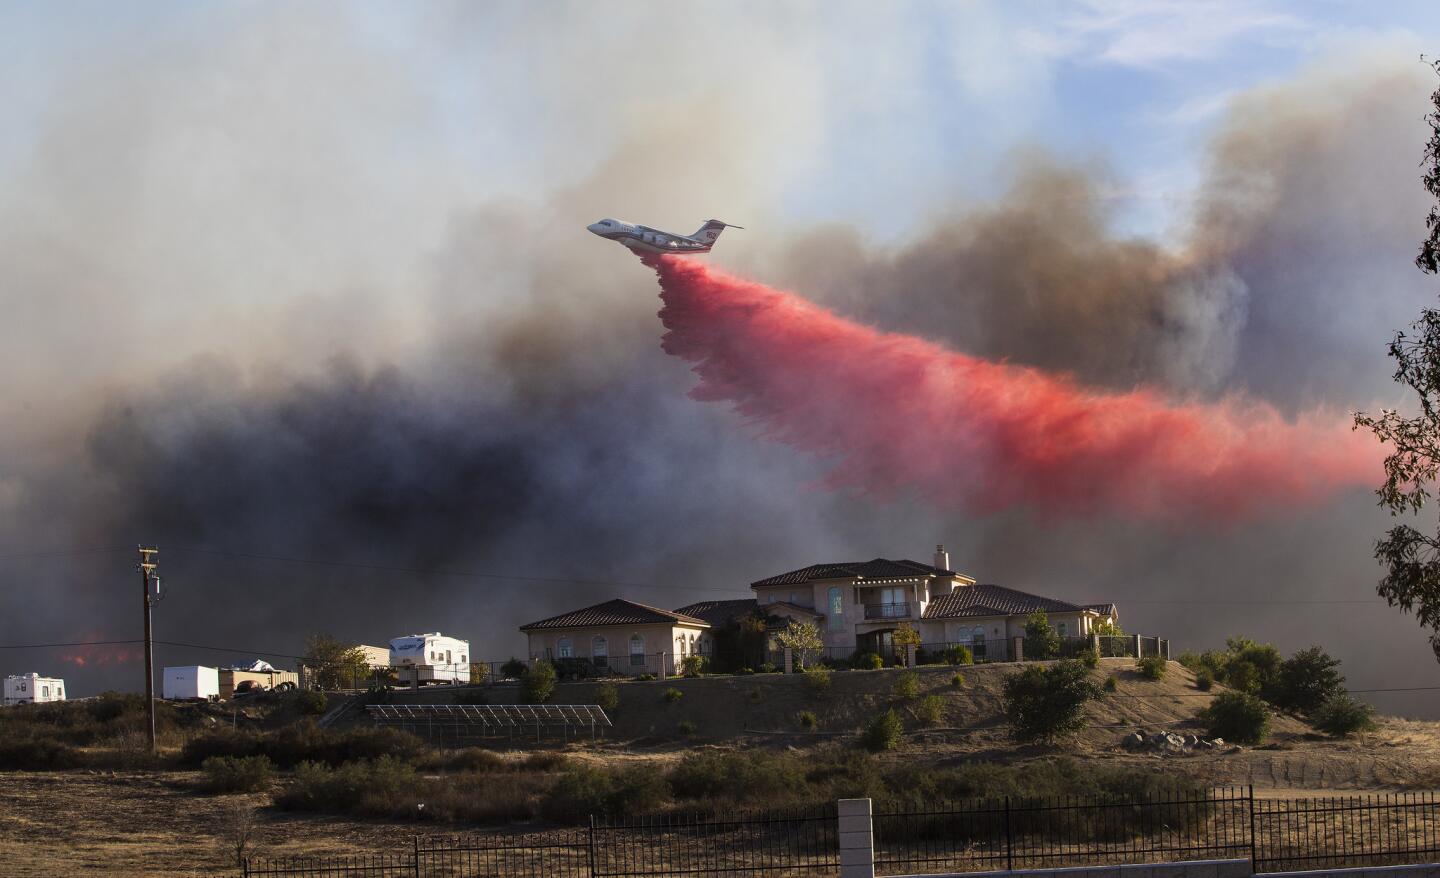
(879, 568)
(720, 612)
(615, 612)
(992, 600)
(1102, 609)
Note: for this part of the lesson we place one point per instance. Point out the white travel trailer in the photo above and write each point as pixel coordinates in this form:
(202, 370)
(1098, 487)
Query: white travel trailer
(33, 689)
(430, 658)
(191, 683)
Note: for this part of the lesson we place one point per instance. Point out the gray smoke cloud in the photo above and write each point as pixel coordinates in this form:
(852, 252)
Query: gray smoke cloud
(426, 377)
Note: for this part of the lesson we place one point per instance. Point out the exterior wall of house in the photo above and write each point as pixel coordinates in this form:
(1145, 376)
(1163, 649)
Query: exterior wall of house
(655, 639)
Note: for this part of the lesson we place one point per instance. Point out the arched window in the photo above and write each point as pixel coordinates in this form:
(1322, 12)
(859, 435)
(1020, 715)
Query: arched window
(693, 651)
(600, 652)
(564, 648)
(637, 651)
(680, 645)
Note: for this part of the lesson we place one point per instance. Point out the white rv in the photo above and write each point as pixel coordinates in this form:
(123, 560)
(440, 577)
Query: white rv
(191, 683)
(33, 689)
(430, 658)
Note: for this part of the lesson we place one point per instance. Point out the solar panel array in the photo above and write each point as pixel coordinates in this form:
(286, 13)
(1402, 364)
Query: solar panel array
(461, 722)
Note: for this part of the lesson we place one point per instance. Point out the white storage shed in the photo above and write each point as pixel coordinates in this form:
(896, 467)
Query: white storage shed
(191, 683)
(33, 689)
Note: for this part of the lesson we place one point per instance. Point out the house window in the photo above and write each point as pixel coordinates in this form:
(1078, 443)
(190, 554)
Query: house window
(637, 651)
(692, 645)
(837, 608)
(680, 644)
(600, 652)
(977, 642)
(44, 691)
(1060, 628)
(565, 648)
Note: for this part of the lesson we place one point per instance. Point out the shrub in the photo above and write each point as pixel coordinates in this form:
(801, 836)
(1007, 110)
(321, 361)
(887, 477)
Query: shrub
(768, 668)
(958, 655)
(882, 732)
(692, 665)
(538, 683)
(672, 695)
(588, 789)
(907, 686)
(607, 695)
(817, 680)
(308, 702)
(237, 774)
(644, 678)
(686, 728)
(807, 721)
(1041, 641)
(1341, 716)
(476, 760)
(1237, 716)
(929, 709)
(1204, 680)
(1090, 658)
(375, 788)
(305, 742)
(1306, 681)
(37, 754)
(1151, 667)
(514, 668)
(867, 661)
(957, 681)
(737, 775)
(1109, 684)
(1045, 703)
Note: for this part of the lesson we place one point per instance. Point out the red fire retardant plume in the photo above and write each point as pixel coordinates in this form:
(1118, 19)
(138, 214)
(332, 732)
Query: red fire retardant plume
(894, 413)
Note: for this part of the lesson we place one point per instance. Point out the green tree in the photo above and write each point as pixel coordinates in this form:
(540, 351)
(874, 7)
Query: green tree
(1409, 557)
(1237, 716)
(801, 638)
(1046, 703)
(334, 664)
(905, 636)
(538, 683)
(1041, 641)
(1306, 680)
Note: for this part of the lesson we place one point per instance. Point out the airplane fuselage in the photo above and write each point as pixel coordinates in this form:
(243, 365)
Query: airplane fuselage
(645, 240)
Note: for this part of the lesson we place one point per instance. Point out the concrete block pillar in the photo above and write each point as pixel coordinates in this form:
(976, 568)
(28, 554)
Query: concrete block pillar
(789, 661)
(1017, 648)
(1095, 643)
(1138, 647)
(909, 655)
(660, 673)
(857, 839)
(1165, 649)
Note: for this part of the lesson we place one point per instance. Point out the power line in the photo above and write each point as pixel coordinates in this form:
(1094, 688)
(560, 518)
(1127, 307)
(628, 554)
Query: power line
(62, 553)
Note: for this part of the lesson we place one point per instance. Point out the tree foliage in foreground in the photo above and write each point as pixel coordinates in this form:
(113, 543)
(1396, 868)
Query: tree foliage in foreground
(1410, 557)
(1044, 703)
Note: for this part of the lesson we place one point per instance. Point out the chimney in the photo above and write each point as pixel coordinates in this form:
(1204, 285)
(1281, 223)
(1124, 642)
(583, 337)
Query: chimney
(942, 557)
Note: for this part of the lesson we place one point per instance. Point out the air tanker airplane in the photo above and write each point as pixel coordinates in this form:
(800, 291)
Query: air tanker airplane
(643, 239)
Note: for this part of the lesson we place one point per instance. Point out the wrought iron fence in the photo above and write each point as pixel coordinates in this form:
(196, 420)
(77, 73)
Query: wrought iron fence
(1343, 832)
(981, 835)
(1019, 833)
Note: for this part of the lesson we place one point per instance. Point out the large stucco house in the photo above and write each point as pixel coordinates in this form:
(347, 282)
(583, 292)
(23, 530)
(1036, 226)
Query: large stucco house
(856, 605)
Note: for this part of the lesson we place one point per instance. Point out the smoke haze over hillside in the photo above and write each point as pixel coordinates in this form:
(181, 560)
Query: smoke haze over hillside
(268, 293)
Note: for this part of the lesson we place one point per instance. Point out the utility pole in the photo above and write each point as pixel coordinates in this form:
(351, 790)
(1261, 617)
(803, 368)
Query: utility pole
(147, 574)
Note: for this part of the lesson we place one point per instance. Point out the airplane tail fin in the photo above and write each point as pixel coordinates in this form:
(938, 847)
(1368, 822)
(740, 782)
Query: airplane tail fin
(711, 230)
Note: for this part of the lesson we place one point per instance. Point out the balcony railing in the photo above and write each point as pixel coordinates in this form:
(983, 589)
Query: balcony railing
(887, 611)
